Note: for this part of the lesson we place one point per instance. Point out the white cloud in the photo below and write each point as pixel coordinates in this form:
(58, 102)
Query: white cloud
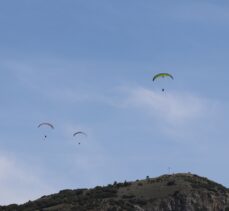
(19, 183)
(169, 106)
(176, 113)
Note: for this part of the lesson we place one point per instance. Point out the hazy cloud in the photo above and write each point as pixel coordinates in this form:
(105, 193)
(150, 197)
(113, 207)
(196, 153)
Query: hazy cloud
(19, 183)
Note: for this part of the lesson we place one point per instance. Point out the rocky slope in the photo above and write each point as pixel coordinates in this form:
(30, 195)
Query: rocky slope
(177, 192)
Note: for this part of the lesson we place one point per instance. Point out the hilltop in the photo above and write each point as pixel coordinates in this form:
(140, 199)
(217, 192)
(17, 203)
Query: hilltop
(175, 192)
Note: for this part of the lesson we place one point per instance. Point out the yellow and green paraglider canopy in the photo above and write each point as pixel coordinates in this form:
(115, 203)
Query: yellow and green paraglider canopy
(162, 75)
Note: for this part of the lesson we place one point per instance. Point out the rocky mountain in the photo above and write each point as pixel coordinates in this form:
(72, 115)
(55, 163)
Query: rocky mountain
(175, 192)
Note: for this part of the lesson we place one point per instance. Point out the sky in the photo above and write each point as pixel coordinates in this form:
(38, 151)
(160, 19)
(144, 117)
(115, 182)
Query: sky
(88, 65)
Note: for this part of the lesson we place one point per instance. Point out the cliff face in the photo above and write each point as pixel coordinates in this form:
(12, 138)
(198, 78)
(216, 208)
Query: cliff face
(178, 192)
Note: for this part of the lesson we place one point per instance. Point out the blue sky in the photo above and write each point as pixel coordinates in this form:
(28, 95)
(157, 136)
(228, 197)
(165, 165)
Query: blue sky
(88, 65)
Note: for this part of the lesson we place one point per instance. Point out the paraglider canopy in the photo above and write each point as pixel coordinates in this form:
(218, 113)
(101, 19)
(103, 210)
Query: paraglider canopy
(79, 132)
(162, 75)
(47, 124)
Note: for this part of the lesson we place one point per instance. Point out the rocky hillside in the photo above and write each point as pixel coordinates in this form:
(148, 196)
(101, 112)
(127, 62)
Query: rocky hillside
(177, 192)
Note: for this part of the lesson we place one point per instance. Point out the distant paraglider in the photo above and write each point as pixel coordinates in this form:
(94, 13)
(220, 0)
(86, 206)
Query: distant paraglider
(45, 124)
(79, 133)
(162, 75)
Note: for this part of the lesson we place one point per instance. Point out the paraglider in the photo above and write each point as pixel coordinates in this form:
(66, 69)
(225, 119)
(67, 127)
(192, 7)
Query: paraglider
(162, 75)
(45, 124)
(79, 133)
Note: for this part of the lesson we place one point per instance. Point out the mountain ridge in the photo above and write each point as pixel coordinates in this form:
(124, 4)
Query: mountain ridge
(169, 192)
